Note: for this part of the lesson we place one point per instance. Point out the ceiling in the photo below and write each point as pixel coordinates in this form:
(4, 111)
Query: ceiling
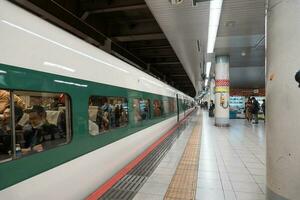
(167, 41)
(126, 29)
(241, 31)
(186, 27)
(241, 35)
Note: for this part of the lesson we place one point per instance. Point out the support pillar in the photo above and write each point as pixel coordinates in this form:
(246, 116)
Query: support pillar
(282, 100)
(222, 91)
(212, 90)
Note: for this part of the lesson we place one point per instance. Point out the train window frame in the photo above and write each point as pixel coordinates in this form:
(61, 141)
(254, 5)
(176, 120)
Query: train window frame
(125, 100)
(69, 121)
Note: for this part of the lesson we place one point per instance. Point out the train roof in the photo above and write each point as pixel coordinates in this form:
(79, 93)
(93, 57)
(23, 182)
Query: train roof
(31, 42)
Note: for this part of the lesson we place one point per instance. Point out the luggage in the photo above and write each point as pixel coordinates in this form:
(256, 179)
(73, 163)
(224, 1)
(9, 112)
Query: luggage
(211, 113)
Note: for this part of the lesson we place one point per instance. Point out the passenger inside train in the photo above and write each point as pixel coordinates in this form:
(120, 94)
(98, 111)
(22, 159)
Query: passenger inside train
(40, 123)
(107, 113)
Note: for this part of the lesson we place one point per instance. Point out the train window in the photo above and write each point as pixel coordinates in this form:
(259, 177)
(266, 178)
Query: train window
(141, 109)
(157, 108)
(106, 113)
(40, 121)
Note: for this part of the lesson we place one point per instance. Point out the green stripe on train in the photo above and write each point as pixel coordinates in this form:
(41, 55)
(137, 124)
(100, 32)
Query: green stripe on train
(17, 78)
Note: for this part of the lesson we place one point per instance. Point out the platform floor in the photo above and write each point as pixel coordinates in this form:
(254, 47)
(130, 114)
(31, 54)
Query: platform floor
(231, 163)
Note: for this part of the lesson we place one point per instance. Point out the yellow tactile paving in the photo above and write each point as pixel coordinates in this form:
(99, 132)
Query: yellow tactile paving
(183, 185)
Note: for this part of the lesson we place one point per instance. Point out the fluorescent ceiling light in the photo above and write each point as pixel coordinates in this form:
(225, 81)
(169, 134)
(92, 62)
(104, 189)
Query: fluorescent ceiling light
(208, 67)
(214, 19)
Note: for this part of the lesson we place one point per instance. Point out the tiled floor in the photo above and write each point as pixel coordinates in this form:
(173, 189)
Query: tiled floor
(232, 161)
(157, 185)
(231, 165)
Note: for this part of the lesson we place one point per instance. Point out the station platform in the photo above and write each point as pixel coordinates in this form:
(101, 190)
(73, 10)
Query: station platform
(200, 161)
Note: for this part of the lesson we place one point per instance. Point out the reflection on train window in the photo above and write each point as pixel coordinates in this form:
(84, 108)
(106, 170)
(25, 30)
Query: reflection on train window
(141, 109)
(166, 105)
(106, 113)
(157, 108)
(175, 105)
(169, 105)
(39, 121)
(172, 105)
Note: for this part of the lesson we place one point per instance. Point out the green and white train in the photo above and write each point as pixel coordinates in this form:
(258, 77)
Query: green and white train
(41, 64)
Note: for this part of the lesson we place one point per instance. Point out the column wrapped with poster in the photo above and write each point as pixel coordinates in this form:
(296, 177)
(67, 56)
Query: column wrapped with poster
(222, 91)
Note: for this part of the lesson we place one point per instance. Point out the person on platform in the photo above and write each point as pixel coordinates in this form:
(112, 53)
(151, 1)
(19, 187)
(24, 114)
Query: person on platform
(255, 110)
(211, 108)
(248, 109)
(263, 107)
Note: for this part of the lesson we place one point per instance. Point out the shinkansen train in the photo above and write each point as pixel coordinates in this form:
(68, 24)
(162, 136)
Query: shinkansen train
(72, 115)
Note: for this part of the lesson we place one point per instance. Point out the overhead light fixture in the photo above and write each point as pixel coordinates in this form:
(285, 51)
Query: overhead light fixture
(206, 82)
(230, 23)
(208, 67)
(198, 1)
(176, 2)
(214, 19)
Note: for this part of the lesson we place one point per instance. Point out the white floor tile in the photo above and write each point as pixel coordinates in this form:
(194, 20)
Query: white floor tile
(229, 195)
(208, 175)
(241, 177)
(143, 196)
(226, 185)
(259, 179)
(209, 184)
(154, 188)
(209, 194)
(249, 196)
(256, 171)
(246, 187)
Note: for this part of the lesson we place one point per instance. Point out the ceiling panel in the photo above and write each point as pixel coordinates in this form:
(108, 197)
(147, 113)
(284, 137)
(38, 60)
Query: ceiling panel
(241, 35)
(242, 17)
(185, 26)
(250, 77)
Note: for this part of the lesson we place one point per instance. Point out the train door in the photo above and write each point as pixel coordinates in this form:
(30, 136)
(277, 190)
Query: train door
(177, 104)
(184, 107)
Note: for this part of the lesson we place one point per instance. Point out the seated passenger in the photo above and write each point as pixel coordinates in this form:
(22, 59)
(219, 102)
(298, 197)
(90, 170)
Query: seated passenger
(5, 98)
(37, 129)
(93, 128)
(117, 115)
(157, 109)
(6, 125)
(5, 131)
(105, 121)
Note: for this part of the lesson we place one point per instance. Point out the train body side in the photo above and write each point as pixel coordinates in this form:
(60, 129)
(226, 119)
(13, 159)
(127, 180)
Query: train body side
(37, 56)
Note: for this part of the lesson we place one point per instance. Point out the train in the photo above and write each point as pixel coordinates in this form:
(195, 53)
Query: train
(103, 111)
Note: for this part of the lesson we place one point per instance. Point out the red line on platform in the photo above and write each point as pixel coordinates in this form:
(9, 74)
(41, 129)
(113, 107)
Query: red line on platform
(113, 180)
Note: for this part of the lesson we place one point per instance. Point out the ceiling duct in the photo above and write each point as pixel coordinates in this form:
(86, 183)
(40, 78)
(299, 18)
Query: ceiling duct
(198, 46)
(198, 1)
